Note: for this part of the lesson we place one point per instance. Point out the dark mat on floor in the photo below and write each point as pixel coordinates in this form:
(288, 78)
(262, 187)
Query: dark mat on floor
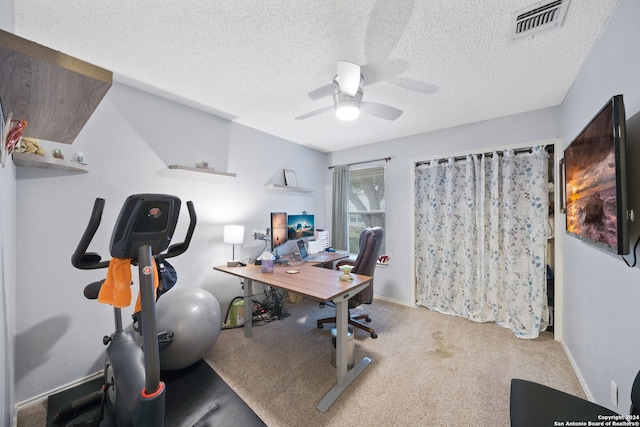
(196, 396)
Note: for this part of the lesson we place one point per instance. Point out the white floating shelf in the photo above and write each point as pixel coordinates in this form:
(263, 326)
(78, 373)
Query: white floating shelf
(201, 170)
(37, 161)
(288, 188)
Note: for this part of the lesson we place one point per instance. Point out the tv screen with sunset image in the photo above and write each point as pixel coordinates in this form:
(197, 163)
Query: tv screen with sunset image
(594, 180)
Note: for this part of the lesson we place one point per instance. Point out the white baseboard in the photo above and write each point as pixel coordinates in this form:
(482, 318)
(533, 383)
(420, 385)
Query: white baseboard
(406, 304)
(583, 384)
(44, 396)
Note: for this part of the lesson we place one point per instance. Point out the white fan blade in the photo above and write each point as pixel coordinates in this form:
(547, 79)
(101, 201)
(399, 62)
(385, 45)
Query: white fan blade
(315, 112)
(322, 92)
(381, 111)
(413, 85)
(348, 77)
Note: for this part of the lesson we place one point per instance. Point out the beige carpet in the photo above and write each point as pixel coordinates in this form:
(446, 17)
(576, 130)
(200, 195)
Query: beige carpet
(428, 369)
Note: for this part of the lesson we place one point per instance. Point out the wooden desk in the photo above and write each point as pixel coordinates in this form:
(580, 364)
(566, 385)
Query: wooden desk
(321, 284)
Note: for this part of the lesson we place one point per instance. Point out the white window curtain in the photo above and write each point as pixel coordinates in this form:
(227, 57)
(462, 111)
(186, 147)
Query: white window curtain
(481, 238)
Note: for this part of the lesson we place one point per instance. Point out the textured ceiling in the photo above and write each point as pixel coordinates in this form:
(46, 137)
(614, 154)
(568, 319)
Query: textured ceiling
(255, 62)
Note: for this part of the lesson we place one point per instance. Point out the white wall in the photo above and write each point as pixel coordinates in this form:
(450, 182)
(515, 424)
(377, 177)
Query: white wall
(396, 282)
(7, 264)
(128, 142)
(601, 315)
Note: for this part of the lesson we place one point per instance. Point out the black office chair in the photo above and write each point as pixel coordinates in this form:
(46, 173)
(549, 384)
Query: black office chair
(536, 405)
(369, 242)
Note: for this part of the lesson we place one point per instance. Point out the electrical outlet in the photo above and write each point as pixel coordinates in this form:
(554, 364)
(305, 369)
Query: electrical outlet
(614, 393)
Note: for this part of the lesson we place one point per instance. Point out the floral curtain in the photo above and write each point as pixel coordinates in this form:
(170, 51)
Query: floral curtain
(481, 238)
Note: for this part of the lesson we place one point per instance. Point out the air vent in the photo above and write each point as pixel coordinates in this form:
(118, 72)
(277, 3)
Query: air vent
(538, 18)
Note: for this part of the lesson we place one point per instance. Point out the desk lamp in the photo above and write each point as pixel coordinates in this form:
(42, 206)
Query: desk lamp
(233, 235)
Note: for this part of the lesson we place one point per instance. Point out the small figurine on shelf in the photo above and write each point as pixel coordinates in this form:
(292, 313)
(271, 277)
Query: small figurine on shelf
(31, 146)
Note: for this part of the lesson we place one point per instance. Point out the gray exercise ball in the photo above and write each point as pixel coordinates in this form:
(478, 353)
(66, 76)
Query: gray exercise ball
(193, 316)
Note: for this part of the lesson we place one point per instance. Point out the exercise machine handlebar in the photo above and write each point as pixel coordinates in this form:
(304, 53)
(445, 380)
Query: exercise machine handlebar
(180, 248)
(84, 260)
(89, 260)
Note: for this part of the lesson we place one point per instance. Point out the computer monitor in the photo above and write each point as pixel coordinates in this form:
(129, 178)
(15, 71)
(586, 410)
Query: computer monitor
(300, 226)
(278, 229)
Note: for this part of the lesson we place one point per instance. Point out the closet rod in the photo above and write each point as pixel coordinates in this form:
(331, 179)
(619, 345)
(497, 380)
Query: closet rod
(386, 159)
(548, 149)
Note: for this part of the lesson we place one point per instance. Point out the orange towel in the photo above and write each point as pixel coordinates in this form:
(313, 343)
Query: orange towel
(116, 289)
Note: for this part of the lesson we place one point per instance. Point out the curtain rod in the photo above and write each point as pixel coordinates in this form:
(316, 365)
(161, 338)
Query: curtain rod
(386, 159)
(548, 149)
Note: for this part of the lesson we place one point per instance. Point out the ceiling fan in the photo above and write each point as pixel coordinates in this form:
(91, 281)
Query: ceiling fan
(347, 97)
(387, 23)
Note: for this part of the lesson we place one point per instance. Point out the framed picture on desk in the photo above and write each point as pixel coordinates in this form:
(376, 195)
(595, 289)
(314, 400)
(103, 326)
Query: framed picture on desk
(290, 179)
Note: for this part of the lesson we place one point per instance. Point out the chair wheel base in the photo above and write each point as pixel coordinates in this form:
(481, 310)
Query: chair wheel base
(320, 326)
(374, 335)
(368, 319)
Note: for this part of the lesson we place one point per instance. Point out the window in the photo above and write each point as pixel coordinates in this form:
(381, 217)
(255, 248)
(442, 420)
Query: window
(366, 203)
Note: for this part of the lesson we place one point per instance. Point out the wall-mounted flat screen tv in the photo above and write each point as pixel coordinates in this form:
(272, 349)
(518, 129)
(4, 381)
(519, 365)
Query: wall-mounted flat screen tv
(278, 229)
(300, 226)
(595, 180)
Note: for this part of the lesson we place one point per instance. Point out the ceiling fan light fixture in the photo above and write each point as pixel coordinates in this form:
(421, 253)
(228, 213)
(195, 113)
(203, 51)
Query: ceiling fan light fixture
(348, 110)
(347, 107)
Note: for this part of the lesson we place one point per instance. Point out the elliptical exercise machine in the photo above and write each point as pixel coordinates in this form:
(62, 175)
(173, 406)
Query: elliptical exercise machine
(132, 390)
